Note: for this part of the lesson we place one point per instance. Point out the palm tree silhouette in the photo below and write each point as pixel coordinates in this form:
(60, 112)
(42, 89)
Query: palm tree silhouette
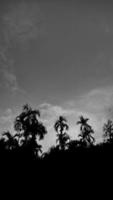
(86, 131)
(28, 128)
(62, 137)
(108, 131)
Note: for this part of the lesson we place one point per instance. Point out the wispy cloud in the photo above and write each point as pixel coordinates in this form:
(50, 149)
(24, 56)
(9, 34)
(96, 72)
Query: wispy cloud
(22, 22)
(8, 78)
(6, 120)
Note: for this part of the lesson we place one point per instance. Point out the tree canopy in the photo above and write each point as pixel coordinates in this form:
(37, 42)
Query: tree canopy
(24, 144)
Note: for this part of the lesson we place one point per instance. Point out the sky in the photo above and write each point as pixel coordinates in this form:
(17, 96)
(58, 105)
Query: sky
(57, 56)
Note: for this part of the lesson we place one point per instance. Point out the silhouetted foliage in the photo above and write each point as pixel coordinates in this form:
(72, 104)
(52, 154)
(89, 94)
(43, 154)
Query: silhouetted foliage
(28, 128)
(10, 142)
(108, 131)
(61, 127)
(2, 144)
(86, 131)
(73, 145)
(23, 145)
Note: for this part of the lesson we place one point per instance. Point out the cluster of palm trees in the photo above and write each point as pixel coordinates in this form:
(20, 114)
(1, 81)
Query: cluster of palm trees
(30, 130)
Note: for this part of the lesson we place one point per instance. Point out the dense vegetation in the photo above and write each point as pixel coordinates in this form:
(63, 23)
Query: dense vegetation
(24, 145)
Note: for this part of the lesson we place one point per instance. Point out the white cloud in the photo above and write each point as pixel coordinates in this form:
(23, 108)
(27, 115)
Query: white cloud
(96, 105)
(98, 100)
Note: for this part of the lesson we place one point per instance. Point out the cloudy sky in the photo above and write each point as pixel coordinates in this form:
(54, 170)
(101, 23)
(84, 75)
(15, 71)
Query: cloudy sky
(58, 56)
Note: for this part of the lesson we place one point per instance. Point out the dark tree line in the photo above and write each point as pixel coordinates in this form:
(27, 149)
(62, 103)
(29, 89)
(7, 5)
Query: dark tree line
(24, 145)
